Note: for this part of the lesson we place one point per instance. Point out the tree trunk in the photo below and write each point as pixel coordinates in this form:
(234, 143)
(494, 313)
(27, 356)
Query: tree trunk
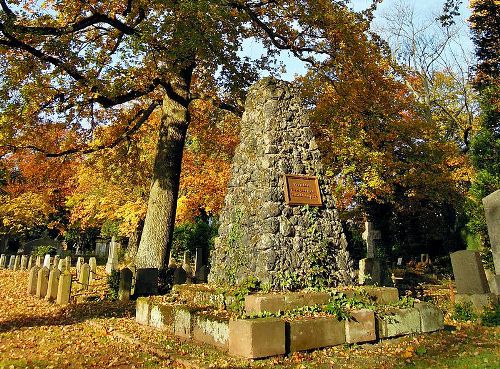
(133, 241)
(156, 237)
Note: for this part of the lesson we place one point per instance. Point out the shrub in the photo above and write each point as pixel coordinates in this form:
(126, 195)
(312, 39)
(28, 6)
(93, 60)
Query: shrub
(491, 317)
(114, 284)
(464, 312)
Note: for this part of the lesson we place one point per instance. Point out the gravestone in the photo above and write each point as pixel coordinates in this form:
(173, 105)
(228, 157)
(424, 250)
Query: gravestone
(370, 236)
(17, 262)
(39, 261)
(46, 261)
(112, 263)
(101, 247)
(42, 282)
(31, 262)
(84, 276)
(32, 279)
(198, 260)
(3, 261)
(54, 275)
(55, 262)
(469, 272)
(79, 262)
(64, 288)
(12, 261)
(492, 212)
(202, 274)
(125, 287)
(180, 276)
(186, 264)
(62, 265)
(68, 262)
(146, 282)
(400, 261)
(93, 269)
(279, 216)
(24, 262)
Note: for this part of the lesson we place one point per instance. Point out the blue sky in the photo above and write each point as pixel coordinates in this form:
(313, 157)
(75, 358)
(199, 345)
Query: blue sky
(424, 9)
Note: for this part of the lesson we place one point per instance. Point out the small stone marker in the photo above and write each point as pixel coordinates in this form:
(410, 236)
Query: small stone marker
(400, 261)
(17, 262)
(186, 265)
(64, 288)
(42, 282)
(146, 282)
(112, 263)
(55, 262)
(54, 275)
(12, 261)
(202, 274)
(469, 272)
(31, 262)
(93, 269)
(198, 260)
(84, 276)
(79, 262)
(24, 262)
(68, 262)
(46, 261)
(39, 261)
(32, 280)
(370, 235)
(3, 261)
(125, 286)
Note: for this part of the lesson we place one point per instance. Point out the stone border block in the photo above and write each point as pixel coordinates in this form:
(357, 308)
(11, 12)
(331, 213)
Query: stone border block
(142, 310)
(312, 333)
(398, 322)
(431, 317)
(162, 317)
(479, 301)
(183, 322)
(256, 338)
(360, 327)
(273, 303)
(210, 330)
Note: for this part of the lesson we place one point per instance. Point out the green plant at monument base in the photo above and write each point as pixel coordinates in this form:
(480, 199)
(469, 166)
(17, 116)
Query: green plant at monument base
(464, 312)
(491, 317)
(113, 284)
(247, 285)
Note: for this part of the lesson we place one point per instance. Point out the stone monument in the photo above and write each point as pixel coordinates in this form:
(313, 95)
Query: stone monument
(112, 263)
(279, 221)
(492, 211)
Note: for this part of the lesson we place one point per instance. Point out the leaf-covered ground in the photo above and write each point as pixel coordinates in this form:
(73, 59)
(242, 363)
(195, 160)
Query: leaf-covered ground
(103, 334)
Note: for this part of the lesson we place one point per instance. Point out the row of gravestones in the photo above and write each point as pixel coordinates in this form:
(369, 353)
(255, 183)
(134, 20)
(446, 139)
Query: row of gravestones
(53, 281)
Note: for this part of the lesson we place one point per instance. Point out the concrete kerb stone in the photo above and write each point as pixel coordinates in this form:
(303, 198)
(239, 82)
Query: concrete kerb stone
(398, 323)
(162, 317)
(256, 338)
(360, 327)
(211, 330)
(273, 303)
(431, 317)
(143, 310)
(311, 333)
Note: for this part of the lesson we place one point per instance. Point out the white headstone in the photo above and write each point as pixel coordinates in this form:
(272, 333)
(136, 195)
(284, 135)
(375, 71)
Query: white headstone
(112, 263)
(46, 261)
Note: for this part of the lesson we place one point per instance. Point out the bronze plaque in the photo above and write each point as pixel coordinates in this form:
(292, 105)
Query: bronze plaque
(302, 190)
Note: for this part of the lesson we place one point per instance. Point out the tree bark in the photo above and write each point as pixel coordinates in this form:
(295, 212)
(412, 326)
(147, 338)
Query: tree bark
(156, 236)
(133, 242)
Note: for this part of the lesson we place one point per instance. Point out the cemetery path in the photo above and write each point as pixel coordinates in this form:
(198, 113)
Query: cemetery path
(103, 334)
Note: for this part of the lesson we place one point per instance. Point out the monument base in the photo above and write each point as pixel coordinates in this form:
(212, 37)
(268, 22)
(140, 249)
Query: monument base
(480, 301)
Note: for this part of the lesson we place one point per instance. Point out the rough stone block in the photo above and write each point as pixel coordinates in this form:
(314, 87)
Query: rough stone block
(310, 333)
(299, 299)
(360, 327)
(210, 330)
(256, 338)
(142, 310)
(162, 317)
(398, 322)
(384, 295)
(479, 301)
(255, 304)
(431, 317)
(183, 322)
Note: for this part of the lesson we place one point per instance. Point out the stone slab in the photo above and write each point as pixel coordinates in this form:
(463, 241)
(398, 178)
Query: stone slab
(142, 310)
(211, 330)
(183, 322)
(146, 283)
(468, 270)
(492, 212)
(431, 317)
(311, 333)
(398, 322)
(256, 338)
(273, 303)
(360, 327)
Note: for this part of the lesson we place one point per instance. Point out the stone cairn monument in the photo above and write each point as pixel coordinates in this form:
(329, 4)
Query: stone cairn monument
(279, 222)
